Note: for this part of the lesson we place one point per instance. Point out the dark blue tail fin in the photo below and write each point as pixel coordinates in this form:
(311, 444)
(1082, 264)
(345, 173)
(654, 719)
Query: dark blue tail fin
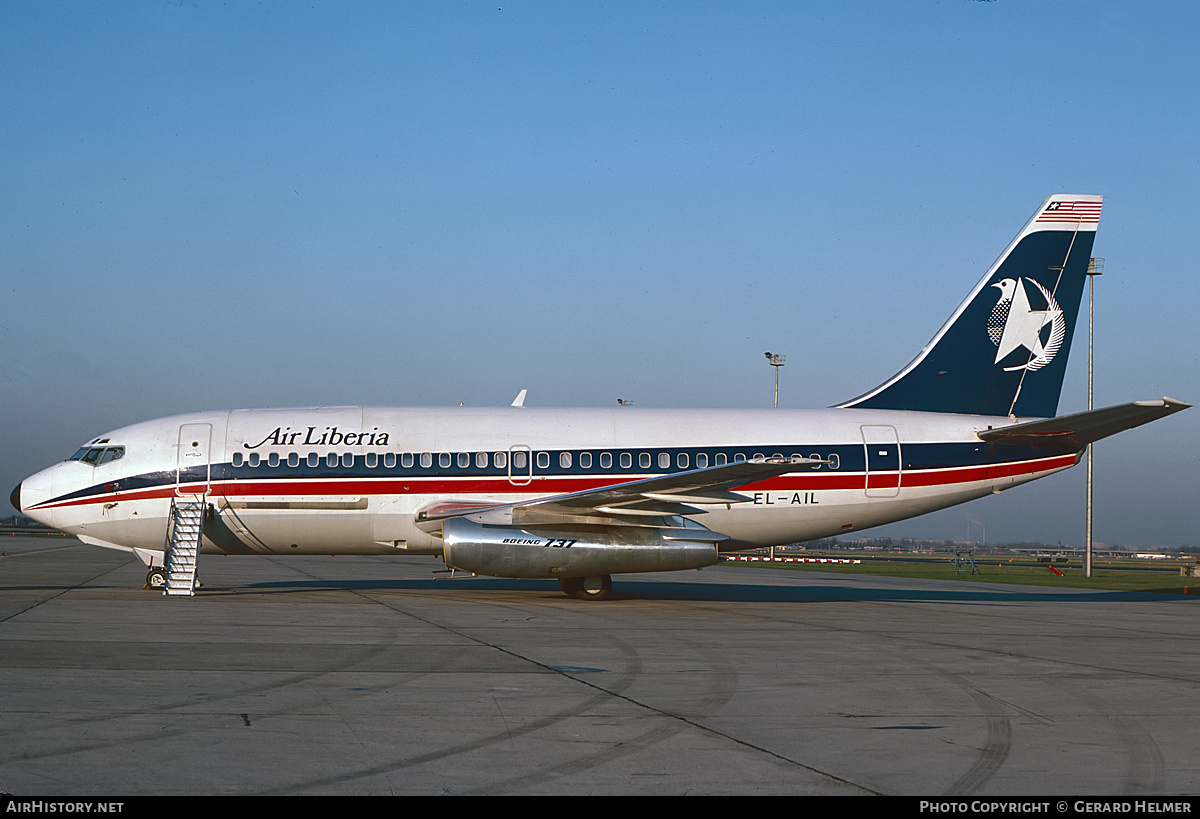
(1004, 351)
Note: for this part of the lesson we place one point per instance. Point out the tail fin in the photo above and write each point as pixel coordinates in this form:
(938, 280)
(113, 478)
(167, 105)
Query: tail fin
(1004, 351)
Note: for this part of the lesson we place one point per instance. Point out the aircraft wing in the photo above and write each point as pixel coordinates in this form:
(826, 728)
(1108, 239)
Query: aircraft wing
(1078, 430)
(663, 496)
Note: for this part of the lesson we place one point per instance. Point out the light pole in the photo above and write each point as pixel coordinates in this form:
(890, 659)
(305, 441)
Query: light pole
(1095, 268)
(776, 361)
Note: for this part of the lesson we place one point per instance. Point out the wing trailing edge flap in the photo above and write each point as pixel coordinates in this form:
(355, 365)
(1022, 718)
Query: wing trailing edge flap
(657, 502)
(1078, 430)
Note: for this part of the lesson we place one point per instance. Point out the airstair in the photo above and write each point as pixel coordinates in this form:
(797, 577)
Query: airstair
(183, 544)
(964, 561)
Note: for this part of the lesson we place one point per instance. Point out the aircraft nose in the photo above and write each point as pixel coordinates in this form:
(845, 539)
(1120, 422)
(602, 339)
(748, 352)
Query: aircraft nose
(34, 490)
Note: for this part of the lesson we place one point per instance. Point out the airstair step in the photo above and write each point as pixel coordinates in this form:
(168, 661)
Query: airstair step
(184, 534)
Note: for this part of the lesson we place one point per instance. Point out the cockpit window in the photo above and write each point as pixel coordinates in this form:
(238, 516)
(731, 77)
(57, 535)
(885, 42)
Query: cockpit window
(96, 455)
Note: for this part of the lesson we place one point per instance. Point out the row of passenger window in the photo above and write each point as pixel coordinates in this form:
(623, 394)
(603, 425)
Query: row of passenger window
(519, 459)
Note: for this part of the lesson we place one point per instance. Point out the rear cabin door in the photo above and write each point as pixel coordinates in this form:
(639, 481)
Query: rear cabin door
(882, 447)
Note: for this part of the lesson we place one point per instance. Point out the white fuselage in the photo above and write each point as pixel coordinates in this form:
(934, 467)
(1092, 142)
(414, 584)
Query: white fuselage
(350, 480)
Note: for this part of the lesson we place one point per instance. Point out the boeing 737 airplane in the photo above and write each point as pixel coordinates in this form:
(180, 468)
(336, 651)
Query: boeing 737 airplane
(582, 494)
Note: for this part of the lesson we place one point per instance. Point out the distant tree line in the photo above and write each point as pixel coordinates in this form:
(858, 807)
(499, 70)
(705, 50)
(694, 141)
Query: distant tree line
(887, 544)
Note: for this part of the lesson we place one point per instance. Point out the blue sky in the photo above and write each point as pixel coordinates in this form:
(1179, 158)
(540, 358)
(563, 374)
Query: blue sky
(212, 205)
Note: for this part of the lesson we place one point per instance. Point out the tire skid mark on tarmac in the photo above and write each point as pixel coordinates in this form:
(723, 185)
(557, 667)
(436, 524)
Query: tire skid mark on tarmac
(997, 744)
(723, 687)
(606, 754)
(181, 708)
(61, 592)
(1145, 769)
(506, 734)
(156, 732)
(602, 694)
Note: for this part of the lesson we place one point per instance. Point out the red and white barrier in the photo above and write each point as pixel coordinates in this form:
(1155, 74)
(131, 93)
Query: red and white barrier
(751, 559)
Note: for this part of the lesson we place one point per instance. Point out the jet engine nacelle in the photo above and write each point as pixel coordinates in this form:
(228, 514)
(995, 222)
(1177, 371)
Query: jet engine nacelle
(584, 551)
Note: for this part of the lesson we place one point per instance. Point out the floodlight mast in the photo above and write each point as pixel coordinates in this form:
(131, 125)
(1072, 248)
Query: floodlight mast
(1095, 268)
(776, 361)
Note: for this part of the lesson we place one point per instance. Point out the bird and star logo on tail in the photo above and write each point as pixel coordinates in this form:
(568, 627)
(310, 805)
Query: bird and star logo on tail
(1015, 325)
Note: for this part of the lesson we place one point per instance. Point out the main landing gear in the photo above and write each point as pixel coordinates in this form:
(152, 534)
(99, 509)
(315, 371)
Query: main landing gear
(587, 588)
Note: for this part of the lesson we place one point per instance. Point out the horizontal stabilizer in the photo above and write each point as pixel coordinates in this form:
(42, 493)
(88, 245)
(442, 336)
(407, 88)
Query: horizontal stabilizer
(1079, 430)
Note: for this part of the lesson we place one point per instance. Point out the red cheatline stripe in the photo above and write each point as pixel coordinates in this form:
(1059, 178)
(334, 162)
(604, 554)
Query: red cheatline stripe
(465, 487)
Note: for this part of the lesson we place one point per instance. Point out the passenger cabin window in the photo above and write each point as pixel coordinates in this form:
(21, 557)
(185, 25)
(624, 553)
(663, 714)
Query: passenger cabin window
(664, 460)
(314, 460)
(500, 459)
(444, 460)
(293, 459)
(606, 460)
(585, 460)
(389, 459)
(481, 460)
(237, 459)
(371, 460)
(701, 460)
(644, 460)
(543, 460)
(253, 459)
(273, 459)
(626, 460)
(564, 460)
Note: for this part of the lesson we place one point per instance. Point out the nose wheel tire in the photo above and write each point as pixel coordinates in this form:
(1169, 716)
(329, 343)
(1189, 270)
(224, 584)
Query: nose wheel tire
(597, 587)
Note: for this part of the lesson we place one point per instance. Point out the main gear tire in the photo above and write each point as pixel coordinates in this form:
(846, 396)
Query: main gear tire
(597, 587)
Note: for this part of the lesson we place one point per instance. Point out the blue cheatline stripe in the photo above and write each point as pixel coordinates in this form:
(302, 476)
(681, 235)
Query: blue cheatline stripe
(850, 457)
